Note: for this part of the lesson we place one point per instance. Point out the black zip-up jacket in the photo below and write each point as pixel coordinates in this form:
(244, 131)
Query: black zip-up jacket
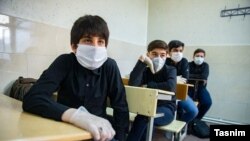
(165, 79)
(182, 67)
(198, 71)
(78, 86)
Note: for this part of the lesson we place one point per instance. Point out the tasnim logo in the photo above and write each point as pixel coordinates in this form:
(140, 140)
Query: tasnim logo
(235, 132)
(218, 132)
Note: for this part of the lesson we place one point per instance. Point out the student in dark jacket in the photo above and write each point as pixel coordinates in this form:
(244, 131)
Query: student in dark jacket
(151, 71)
(187, 109)
(199, 70)
(83, 79)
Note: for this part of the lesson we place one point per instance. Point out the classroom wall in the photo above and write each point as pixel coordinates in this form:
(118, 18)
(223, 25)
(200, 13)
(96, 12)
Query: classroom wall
(127, 19)
(39, 31)
(226, 41)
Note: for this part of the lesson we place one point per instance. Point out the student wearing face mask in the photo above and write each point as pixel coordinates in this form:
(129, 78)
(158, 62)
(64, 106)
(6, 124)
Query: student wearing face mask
(187, 110)
(199, 70)
(83, 79)
(152, 72)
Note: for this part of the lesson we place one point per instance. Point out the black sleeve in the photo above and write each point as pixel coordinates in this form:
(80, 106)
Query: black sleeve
(38, 100)
(136, 75)
(205, 71)
(118, 102)
(170, 80)
(184, 67)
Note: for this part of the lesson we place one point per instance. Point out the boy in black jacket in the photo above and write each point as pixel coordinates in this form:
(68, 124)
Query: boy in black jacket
(187, 109)
(151, 71)
(199, 71)
(84, 79)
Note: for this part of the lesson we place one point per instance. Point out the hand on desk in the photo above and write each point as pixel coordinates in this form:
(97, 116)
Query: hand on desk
(181, 80)
(100, 128)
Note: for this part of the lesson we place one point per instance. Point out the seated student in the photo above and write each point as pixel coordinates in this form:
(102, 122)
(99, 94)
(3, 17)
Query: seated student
(156, 75)
(83, 79)
(199, 69)
(187, 109)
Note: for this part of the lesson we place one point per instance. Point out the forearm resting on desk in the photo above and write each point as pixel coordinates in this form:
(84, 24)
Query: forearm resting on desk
(67, 114)
(181, 80)
(100, 128)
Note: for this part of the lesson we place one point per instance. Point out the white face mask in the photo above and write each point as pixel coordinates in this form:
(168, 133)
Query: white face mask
(158, 63)
(176, 56)
(91, 57)
(198, 60)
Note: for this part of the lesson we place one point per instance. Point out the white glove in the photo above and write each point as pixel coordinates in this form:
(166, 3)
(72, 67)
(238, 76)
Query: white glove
(181, 80)
(100, 128)
(145, 59)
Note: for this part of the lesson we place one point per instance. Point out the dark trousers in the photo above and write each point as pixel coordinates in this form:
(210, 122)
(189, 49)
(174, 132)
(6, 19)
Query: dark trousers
(204, 100)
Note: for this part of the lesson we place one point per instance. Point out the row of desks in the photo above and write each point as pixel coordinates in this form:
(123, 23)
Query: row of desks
(19, 126)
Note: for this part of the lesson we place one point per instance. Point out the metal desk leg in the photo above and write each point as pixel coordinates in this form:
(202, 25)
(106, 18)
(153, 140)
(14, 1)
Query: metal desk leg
(150, 129)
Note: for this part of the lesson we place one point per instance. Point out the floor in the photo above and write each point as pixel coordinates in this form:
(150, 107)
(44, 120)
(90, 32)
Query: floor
(159, 136)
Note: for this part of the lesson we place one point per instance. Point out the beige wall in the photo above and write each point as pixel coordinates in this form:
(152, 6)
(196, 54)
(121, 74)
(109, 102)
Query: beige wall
(41, 33)
(27, 48)
(198, 22)
(227, 43)
(127, 19)
(228, 82)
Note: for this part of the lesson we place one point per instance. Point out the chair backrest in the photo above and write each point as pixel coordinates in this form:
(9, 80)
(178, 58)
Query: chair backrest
(181, 94)
(181, 91)
(142, 101)
(125, 81)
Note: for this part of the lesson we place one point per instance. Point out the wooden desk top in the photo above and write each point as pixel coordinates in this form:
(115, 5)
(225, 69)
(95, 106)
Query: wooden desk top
(19, 125)
(189, 85)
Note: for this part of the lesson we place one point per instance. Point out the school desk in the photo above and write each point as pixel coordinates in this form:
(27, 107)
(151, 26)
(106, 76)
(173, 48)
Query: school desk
(17, 125)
